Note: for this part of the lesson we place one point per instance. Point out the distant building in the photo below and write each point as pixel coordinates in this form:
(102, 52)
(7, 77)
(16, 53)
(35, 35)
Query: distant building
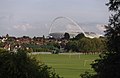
(56, 35)
(92, 35)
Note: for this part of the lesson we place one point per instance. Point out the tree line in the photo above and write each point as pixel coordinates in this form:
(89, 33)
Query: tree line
(86, 45)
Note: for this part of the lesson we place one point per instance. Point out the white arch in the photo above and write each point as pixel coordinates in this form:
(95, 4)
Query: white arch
(69, 19)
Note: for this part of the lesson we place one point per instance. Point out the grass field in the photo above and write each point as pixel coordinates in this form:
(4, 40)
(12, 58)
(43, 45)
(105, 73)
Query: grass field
(68, 66)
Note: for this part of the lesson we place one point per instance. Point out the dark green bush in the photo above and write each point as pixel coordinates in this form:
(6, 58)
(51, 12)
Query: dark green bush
(21, 65)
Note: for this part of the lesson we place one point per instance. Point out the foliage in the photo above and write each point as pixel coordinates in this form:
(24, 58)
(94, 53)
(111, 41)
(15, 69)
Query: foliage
(113, 5)
(53, 44)
(86, 45)
(108, 66)
(79, 36)
(72, 45)
(66, 36)
(54, 47)
(87, 75)
(2, 50)
(113, 34)
(2, 44)
(20, 65)
(42, 48)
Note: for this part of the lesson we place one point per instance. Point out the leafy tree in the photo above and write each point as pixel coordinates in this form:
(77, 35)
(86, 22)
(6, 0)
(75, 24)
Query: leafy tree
(20, 65)
(98, 45)
(84, 44)
(79, 36)
(72, 45)
(67, 36)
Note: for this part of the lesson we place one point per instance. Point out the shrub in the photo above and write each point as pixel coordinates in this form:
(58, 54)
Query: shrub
(21, 65)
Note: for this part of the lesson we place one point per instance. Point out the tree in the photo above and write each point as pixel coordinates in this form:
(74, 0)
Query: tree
(72, 45)
(66, 36)
(20, 65)
(79, 36)
(85, 45)
(109, 63)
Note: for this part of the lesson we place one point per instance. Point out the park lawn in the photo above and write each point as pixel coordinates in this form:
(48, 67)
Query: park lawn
(68, 66)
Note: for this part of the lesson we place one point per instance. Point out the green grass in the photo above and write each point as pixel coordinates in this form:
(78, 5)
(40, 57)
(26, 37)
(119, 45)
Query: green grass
(68, 66)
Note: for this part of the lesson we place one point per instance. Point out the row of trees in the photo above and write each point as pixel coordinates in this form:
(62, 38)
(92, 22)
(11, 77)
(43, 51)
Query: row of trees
(79, 43)
(86, 45)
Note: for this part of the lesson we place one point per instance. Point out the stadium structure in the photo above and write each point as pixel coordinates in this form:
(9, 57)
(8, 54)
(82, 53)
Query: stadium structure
(73, 29)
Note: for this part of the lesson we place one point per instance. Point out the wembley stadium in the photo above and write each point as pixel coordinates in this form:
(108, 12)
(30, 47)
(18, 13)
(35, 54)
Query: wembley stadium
(73, 28)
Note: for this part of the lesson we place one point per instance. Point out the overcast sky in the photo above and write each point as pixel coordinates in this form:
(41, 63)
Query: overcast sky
(33, 17)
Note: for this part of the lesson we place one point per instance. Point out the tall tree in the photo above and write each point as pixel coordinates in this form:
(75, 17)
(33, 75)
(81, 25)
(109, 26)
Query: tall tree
(67, 36)
(79, 36)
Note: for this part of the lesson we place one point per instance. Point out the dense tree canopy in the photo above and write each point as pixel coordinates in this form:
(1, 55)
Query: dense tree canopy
(86, 45)
(20, 65)
(79, 36)
(113, 5)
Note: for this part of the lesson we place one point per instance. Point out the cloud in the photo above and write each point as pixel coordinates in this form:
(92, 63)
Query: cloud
(72, 28)
(23, 27)
(101, 27)
(2, 17)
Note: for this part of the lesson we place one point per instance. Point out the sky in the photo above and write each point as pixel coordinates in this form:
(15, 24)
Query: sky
(33, 17)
